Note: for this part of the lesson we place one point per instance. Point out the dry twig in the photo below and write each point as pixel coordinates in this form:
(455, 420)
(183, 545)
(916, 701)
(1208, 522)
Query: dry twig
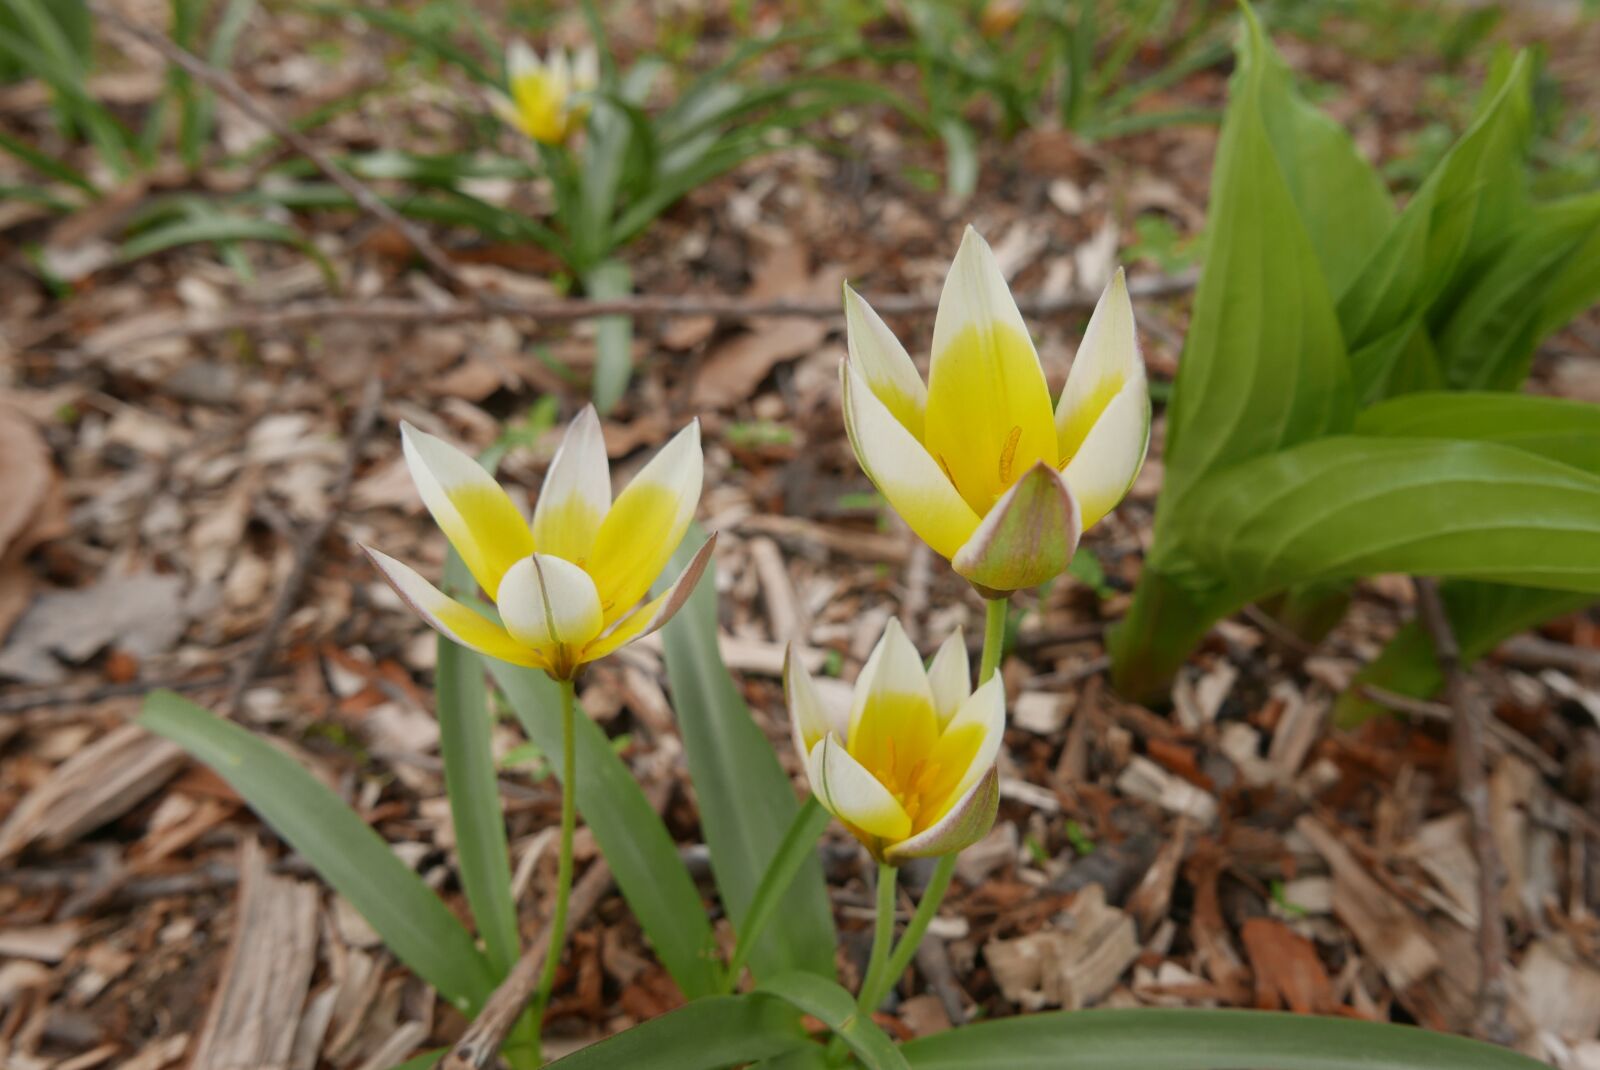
(310, 313)
(1471, 714)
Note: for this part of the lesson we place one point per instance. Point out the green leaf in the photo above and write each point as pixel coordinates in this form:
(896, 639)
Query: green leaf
(630, 833)
(425, 37)
(613, 340)
(1264, 365)
(1557, 428)
(1489, 337)
(1482, 615)
(799, 844)
(1466, 206)
(413, 921)
(1349, 506)
(960, 156)
(746, 801)
(1341, 198)
(462, 701)
(1202, 1040)
(703, 1035)
(222, 228)
(834, 1007)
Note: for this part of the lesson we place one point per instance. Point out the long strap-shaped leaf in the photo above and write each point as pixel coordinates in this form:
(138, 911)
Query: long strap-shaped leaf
(636, 844)
(1557, 428)
(412, 920)
(703, 1035)
(836, 1008)
(746, 802)
(462, 702)
(1202, 1040)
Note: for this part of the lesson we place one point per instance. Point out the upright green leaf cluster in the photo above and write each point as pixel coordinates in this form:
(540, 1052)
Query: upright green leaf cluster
(1338, 409)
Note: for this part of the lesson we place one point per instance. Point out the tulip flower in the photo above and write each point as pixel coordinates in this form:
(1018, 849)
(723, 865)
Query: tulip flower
(975, 461)
(910, 767)
(549, 97)
(567, 585)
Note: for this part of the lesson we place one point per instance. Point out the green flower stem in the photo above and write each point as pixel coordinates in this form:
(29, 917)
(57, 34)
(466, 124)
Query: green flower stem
(994, 638)
(569, 820)
(882, 935)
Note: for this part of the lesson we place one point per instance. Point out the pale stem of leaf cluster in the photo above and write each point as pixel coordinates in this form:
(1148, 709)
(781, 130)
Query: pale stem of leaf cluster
(569, 817)
(881, 975)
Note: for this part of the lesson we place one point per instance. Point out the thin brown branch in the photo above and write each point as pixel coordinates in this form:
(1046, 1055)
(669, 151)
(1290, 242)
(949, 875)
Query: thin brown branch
(225, 85)
(302, 314)
(306, 551)
(481, 1042)
(1467, 732)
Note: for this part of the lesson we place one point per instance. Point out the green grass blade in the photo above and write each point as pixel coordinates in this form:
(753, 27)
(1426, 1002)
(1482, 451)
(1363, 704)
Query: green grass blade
(413, 921)
(613, 340)
(703, 1035)
(462, 698)
(1203, 1040)
(630, 833)
(746, 802)
(836, 1008)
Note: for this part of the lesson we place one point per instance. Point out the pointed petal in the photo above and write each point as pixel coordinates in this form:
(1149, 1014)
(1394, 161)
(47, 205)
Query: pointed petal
(472, 510)
(950, 677)
(576, 492)
(1109, 459)
(450, 618)
(893, 668)
(656, 612)
(988, 418)
(521, 60)
(967, 822)
(810, 716)
(884, 364)
(646, 523)
(912, 481)
(853, 795)
(1107, 363)
(984, 713)
(1028, 538)
(586, 69)
(550, 605)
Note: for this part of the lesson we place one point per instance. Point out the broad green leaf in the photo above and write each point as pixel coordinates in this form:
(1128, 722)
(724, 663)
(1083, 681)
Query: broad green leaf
(746, 801)
(413, 921)
(1558, 428)
(1466, 206)
(1202, 1040)
(613, 340)
(1482, 615)
(1488, 339)
(1349, 506)
(1342, 200)
(705, 1034)
(834, 1007)
(1264, 365)
(1399, 362)
(630, 833)
(462, 700)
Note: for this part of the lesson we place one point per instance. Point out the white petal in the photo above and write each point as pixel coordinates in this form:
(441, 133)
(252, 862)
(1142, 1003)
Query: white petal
(850, 793)
(950, 677)
(472, 510)
(1107, 463)
(586, 69)
(1107, 363)
(1027, 538)
(522, 60)
(656, 612)
(967, 822)
(576, 492)
(903, 470)
(894, 668)
(884, 363)
(975, 294)
(810, 719)
(549, 603)
(986, 708)
(450, 618)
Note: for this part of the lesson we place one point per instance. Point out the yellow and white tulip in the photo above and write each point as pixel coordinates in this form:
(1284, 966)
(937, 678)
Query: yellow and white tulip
(567, 585)
(909, 768)
(549, 98)
(975, 460)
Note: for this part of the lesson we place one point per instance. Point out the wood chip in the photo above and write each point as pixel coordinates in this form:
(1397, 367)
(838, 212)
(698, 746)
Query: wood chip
(1144, 779)
(1071, 969)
